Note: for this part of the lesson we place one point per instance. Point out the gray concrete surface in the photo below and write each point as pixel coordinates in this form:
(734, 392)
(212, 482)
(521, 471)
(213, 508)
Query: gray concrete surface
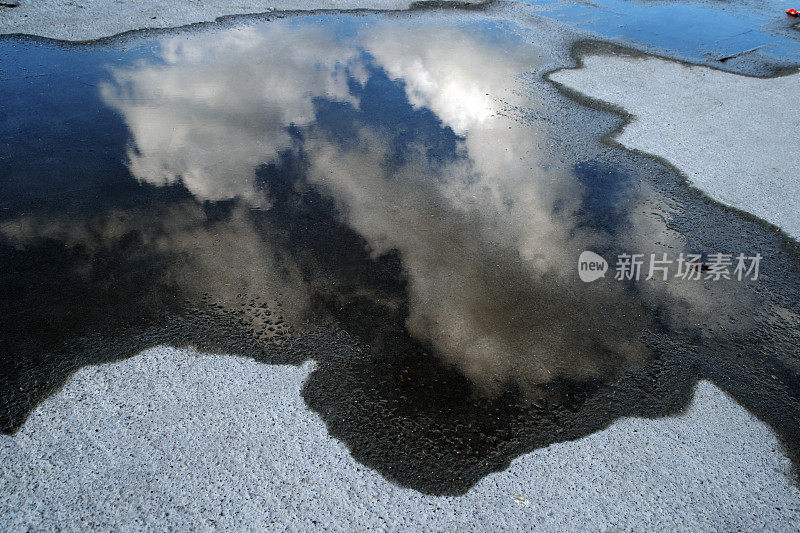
(734, 137)
(175, 439)
(84, 20)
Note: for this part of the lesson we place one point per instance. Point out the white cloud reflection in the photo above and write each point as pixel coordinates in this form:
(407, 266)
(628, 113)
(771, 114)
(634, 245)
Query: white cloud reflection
(219, 105)
(488, 240)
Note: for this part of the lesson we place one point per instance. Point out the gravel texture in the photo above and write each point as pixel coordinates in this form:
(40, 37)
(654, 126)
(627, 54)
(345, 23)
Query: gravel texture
(172, 439)
(733, 137)
(85, 20)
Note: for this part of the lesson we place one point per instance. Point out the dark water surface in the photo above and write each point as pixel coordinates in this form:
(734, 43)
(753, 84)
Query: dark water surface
(403, 203)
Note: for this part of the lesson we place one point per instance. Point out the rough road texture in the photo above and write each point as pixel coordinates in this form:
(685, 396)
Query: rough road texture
(85, 20)
(733, 136)
(170, 439)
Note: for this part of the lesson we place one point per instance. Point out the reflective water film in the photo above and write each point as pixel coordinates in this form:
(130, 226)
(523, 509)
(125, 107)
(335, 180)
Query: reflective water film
(406, 205)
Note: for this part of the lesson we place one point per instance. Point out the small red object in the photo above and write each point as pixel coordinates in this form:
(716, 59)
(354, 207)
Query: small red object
(793, 12)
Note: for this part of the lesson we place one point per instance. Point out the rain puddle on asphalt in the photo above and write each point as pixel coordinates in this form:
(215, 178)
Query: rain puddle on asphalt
(719, 33)
(404, 203)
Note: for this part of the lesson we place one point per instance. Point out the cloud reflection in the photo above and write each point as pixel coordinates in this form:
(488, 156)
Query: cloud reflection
(487, 231)
(217, 108)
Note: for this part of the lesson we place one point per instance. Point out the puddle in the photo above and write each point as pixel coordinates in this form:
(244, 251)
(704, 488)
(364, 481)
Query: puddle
(403, 203)
(716, 32)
